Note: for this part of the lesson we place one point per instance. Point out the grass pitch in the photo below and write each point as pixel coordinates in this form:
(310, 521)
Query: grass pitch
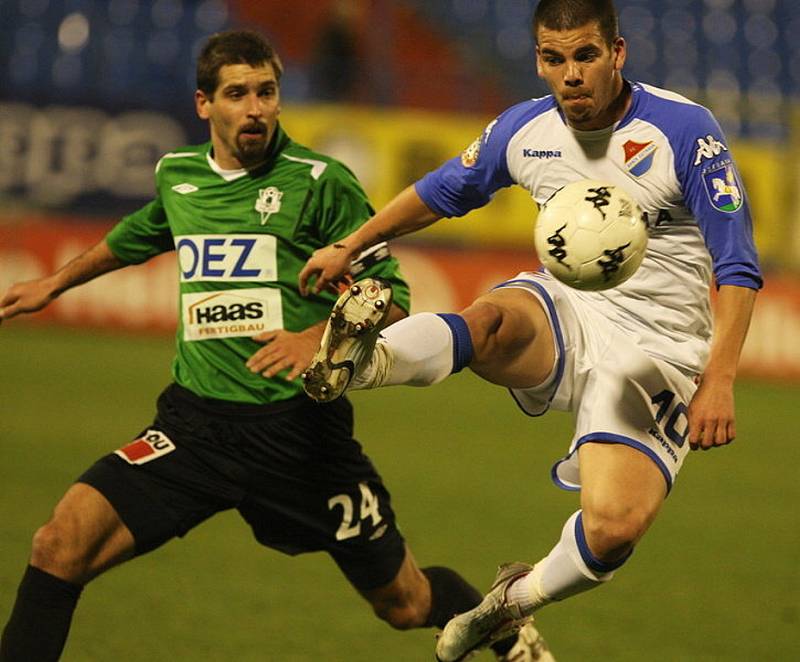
(715, 579)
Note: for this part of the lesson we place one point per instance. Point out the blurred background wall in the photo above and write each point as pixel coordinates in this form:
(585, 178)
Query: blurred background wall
(93, 93)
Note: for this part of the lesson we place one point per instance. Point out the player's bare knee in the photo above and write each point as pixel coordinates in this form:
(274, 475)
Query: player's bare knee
(401, 618)
(483, 320)
(54, 550)
(611, 534)
(401, 612)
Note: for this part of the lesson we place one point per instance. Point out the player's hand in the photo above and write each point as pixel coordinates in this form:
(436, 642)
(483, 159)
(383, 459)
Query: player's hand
(711, 414)
(26, 297)
(330, 265)
(285, 350)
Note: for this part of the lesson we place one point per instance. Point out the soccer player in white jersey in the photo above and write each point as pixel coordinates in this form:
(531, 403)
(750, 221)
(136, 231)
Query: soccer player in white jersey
(637, 365)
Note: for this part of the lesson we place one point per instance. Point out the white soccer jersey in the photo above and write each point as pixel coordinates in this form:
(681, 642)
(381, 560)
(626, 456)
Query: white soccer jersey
(670, 155)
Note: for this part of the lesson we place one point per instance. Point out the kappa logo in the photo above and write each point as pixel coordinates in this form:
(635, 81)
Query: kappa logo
(268, 202)
(541, 153)
(708, 148)
(151, 446)
(639, 156)
(185, 188)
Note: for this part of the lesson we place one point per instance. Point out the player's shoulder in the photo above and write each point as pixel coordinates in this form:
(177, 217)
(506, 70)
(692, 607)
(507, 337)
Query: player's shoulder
(182, 156)
(669, 111)
(320, 166)
(522, 114)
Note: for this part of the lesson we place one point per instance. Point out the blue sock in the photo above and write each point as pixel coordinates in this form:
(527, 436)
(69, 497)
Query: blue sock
(462, 341)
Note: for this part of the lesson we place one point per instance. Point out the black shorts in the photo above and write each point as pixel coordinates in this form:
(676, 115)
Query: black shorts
(292, 469)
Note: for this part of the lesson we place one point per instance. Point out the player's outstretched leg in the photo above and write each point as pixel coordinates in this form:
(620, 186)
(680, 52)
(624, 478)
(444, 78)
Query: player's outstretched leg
(349, 338)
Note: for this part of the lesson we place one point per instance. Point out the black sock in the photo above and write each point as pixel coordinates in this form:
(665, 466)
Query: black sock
(451, 594)
(40, 620)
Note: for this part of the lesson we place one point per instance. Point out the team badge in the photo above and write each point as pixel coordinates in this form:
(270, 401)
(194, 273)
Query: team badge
(723, 187)
(469, 157)
(268, 203)
(152, 445)
(639, 156)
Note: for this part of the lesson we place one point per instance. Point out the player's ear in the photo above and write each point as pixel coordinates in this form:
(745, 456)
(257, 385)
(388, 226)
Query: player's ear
(201, 102)
(619, 50)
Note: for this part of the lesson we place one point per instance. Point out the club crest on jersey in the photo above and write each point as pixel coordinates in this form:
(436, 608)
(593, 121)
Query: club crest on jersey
(639, 156)
(268, 202)
(152, 445)
(723, 187)
(469, 157)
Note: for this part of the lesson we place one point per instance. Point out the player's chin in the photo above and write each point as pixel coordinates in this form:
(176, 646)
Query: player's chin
(252, 150)
(578, 115)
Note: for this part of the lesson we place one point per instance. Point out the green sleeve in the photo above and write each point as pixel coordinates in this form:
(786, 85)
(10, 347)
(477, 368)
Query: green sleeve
(141, 235)
(343, 208)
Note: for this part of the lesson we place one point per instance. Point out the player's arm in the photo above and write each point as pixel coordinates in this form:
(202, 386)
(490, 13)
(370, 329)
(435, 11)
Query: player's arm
(711, 411)
(32, 295)
(727, 229)
(405, 214)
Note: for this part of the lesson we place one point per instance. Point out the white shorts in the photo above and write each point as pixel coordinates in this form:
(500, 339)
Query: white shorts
(618, 393)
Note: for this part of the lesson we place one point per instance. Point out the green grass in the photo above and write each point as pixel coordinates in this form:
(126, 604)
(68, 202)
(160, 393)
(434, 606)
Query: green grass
(716, 578)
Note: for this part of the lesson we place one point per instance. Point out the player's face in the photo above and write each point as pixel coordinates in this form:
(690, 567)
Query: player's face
(242, 114)
(584, 74)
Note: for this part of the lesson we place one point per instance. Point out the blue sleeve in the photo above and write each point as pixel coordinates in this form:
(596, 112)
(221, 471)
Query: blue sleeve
(469, 181)
(713, 192)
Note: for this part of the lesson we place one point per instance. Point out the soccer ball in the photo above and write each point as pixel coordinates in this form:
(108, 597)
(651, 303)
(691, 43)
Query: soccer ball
(591, 235)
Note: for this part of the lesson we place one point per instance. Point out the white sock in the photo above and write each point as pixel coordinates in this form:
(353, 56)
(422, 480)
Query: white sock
(422, 348)
(559, 575)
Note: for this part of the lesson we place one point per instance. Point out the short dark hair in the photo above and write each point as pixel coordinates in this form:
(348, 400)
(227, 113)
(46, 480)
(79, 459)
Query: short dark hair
(233, 47)
(571, 14)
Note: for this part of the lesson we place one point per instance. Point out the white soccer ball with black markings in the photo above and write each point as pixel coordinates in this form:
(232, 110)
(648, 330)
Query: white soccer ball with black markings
(591, 235)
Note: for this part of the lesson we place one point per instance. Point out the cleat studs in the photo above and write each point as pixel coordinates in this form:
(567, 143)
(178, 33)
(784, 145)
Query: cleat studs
(333, 317)
(355, 290)
(304, 376)
(380, 304)
(359, 327)
(323, 390)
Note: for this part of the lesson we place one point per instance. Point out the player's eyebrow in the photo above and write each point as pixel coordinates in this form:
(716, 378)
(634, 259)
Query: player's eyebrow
(581, 50)
(549, 51)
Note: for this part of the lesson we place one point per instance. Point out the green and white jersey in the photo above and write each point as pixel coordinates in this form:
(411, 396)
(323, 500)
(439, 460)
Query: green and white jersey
(241, 238)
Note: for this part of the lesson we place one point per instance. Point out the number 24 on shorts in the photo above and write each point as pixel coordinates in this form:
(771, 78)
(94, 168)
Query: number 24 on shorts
(369, 507)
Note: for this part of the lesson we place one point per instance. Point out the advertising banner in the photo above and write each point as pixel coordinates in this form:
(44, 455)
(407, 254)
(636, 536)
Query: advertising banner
(144, 297)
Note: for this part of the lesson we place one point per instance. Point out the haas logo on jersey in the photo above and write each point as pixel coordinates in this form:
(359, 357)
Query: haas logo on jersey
(231, 313)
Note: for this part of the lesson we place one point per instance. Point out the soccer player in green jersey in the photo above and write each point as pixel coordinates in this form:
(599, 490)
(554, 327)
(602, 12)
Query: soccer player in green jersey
(243, 212)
